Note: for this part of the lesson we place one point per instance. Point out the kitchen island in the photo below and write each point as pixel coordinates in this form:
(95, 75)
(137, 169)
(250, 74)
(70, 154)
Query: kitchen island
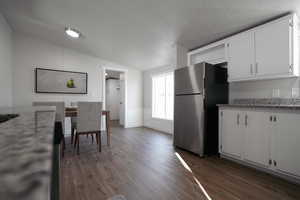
(26, 153)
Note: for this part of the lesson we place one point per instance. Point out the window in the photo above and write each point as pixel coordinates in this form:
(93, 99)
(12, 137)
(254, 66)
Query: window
(163, 96)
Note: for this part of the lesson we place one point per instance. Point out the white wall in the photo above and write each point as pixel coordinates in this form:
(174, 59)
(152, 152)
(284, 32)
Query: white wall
(5, 63)
(158, 124)
(134, 98)
(32, 52)
(113, 98)
(181, 56)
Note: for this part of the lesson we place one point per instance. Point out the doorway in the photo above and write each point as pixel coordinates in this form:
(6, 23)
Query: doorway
(114, 95)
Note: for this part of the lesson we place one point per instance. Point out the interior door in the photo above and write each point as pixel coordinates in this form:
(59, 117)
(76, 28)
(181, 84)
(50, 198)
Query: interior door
(256, 140)
(273, 48)
(241, 56)
(188, 123)
(232, 132)
(287, 148)
(122, 99)
(113, 98)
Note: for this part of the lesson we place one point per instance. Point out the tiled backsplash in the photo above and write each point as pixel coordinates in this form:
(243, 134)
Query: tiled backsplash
(279, 88)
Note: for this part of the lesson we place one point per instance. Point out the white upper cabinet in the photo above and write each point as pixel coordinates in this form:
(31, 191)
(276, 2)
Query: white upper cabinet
(240, 54)
(274, 49)
(269, 51)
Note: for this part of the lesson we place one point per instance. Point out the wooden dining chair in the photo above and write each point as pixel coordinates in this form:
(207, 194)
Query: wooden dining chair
(60, 115)
(88, 122)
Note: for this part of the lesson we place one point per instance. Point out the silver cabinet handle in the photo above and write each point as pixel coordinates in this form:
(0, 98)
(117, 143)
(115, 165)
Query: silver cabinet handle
(238, 119)
(271, 118)
(246, 120)
(274, 119)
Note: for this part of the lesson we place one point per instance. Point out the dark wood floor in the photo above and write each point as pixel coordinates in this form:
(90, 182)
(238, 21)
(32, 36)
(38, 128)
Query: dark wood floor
(142, 164)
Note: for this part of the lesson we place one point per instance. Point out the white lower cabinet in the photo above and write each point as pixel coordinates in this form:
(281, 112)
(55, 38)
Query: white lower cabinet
(256, 138)
(232, 133)
(286, 151)
(269, 140)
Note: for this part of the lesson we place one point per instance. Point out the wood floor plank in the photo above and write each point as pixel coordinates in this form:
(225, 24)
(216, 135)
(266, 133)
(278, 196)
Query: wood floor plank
(142, 164)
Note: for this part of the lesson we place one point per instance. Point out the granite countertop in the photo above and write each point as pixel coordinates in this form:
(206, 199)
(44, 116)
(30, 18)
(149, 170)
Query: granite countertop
(26, 145)
(279, 103)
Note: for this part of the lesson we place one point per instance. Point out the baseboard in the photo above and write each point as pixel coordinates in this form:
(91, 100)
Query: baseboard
(157, 130)
(268, 171)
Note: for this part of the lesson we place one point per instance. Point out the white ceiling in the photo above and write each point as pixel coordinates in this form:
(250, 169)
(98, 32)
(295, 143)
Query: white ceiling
(139, 33)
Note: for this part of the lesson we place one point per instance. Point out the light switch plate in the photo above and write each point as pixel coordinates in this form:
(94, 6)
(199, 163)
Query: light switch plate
(295, 92)
(276, 93)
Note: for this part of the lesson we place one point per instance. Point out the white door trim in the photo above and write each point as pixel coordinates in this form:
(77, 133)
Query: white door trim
(125, 71)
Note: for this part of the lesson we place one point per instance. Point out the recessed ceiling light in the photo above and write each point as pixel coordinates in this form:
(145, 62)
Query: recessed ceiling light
(72, 33)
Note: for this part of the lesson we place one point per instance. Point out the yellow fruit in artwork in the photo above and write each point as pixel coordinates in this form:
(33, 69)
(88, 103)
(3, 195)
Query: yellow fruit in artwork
(70, 83)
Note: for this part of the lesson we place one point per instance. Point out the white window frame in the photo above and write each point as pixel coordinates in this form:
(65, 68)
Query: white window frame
(153, 115)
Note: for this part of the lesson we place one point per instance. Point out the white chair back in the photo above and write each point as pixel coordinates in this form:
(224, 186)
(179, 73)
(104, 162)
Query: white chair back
(60, 110)
(89, 116)
(74, 119)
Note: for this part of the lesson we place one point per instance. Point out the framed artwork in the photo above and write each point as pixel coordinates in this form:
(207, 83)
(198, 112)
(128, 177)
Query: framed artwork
(61, 82)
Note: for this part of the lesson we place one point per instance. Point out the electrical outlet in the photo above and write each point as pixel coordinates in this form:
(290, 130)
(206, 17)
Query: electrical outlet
(276, 93)
(295, 92)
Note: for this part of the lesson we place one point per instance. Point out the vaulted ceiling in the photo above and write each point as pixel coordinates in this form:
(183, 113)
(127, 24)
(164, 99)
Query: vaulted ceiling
(139, 33)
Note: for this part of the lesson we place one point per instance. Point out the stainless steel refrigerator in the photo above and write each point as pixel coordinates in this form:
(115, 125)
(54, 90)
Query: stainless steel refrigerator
(198, 89)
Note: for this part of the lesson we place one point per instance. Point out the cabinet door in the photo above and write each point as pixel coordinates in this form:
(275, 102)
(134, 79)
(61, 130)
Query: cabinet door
(287, 148)
(256, 138)
(273, 49)
(241, 56)
(231, 133)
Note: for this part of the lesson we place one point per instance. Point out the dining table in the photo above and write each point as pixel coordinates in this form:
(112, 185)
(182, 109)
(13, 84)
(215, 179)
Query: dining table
(72, 112)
